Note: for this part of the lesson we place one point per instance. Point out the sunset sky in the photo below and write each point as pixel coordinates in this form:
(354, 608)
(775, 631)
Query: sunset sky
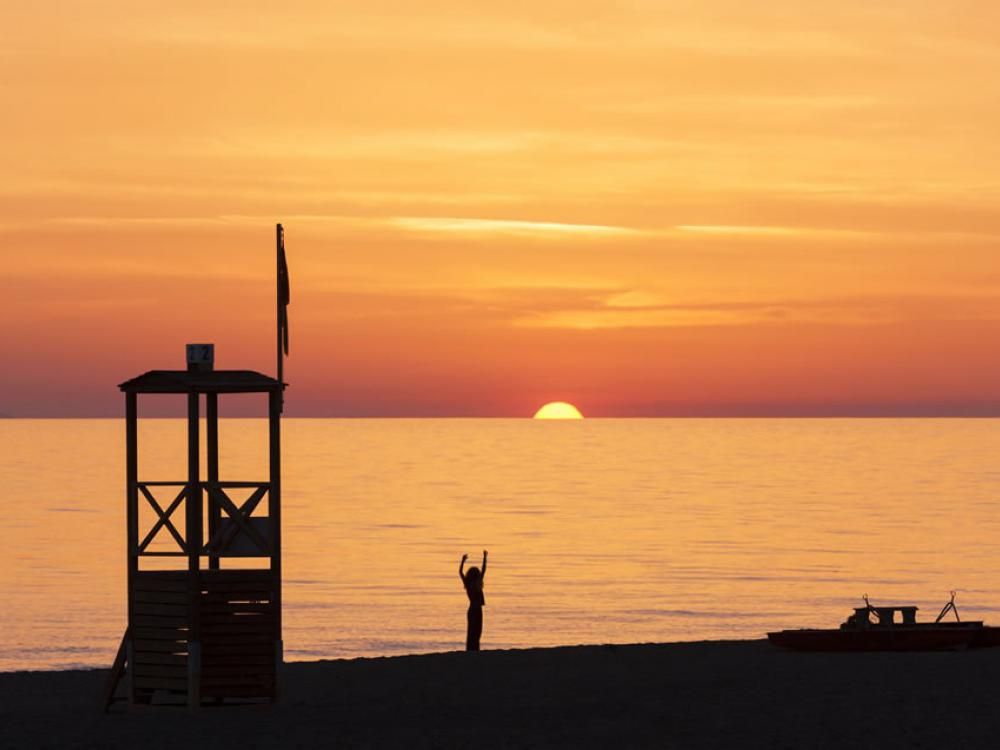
(642, 208)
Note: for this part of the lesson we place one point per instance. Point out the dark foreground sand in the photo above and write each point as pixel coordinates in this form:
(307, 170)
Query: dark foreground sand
(699, 695)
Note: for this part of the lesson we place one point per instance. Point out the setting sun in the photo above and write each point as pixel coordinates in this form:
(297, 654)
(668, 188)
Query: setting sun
(558, 410)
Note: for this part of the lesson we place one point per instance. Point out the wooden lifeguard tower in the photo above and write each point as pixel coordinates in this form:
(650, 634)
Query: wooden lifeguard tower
(204, 569)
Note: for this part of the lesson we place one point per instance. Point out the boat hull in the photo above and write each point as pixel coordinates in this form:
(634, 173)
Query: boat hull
(986, 637)
(926, 638)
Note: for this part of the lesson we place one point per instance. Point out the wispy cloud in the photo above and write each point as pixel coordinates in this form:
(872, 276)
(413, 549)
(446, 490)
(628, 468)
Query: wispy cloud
(508, 226)
(641, 309)
(736, 229)
(767, 231)
(597, 307)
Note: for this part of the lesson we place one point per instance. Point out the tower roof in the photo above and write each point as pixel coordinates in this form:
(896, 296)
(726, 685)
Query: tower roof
(215, 381)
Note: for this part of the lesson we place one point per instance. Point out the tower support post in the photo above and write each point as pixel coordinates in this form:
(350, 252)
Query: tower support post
(194, 543)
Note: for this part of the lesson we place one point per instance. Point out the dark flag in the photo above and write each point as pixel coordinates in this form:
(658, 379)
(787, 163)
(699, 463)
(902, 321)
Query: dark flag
(284, 297)
(284, 291)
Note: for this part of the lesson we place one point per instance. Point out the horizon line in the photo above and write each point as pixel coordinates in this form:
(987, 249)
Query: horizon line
(530, 418)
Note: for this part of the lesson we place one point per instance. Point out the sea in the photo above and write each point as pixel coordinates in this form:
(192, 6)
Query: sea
(598, 531)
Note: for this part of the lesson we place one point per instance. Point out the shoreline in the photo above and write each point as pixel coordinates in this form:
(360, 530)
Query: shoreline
(688, 695)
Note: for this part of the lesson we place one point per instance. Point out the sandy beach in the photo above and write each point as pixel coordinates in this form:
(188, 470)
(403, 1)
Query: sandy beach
(691, 695)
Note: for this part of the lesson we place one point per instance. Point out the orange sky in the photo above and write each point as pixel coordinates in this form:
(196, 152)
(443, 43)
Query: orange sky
(644, 208)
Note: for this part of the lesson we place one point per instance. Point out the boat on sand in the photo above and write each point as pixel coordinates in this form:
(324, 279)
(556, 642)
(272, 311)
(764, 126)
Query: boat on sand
(891, 628)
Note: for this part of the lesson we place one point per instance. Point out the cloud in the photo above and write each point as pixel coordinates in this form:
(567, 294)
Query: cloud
(643, 309)
(751, 230)
(508, 226)
(598, 307)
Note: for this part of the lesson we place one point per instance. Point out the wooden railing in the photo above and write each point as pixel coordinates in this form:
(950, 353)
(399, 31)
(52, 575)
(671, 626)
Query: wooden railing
(227, 520)
(239, 518)
(163, 519)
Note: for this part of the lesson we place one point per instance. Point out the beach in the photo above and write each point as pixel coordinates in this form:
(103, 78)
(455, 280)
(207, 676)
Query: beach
(708, 694)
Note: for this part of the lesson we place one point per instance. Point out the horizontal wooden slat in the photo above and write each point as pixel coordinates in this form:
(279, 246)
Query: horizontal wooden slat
(263, 645)
(174, 601)
(163, 575)
(215, 631)
(249, 642)
(262, 649)
(210, 630)
(237, 623)
(218, 630)
(259, 661)
(251, 690)
(162, 683)
(245, 588)
(260, 608)
(237, 682)
(222, 635)
(166, 610)
(223, 597)
(263, 578)
(246, 574)
(236, 616)
(161, 597)
(160, 584)
(255, 608)
(147, 657)
(217, 681)
(237, 607)
(261, 658)
(252, 664)
(218, 684)
(225, 670)
(237, 692)
(231, 687)
(151, 621)
(160, 634)
(169, 647)
(227, 643)
(257, 655)
(248, 593)
(178, 671)
(223, 608)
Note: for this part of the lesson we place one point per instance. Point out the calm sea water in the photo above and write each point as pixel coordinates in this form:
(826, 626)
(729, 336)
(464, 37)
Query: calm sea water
(599, 531)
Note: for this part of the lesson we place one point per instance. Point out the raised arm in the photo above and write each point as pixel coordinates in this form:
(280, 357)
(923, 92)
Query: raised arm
(461, 568)
(484, 563)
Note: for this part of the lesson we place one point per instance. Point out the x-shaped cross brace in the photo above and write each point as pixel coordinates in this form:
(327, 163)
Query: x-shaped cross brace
(224, 536)
(164, 519)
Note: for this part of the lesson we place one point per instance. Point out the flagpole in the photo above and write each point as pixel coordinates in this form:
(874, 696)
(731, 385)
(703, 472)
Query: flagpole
(279, 241)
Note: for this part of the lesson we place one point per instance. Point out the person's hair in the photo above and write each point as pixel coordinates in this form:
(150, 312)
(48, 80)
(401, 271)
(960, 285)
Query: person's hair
(472, 575)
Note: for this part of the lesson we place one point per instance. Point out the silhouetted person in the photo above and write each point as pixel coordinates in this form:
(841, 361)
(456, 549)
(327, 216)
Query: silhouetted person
(473, 581)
